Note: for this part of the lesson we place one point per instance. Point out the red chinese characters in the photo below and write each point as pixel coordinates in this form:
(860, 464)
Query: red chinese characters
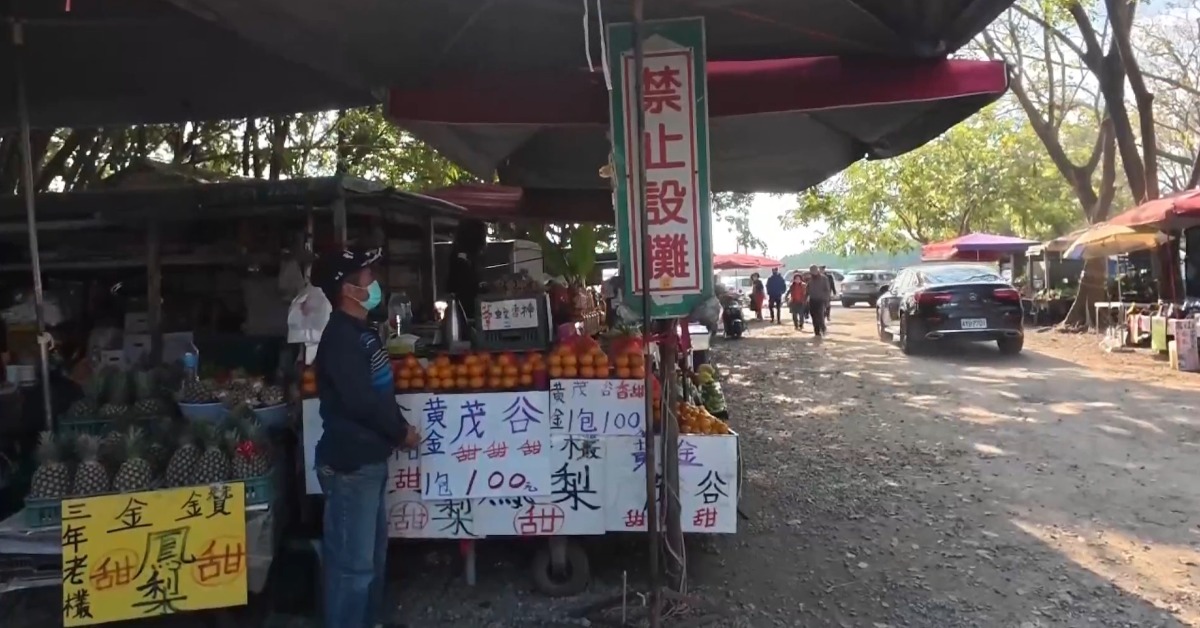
(664, 202)
(661, 89)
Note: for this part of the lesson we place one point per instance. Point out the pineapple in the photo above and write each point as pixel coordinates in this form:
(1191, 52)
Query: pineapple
(91, 478)
(250, 452)
(52, 478)
(117, 404)
(213, 465)
(198, 391)
(148, 401)
(82, 410)
(271, 395)
(158, 452)
(135, 473)
(181, 467)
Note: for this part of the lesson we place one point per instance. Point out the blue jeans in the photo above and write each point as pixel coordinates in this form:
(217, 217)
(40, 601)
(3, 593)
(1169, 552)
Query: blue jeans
(354, 546)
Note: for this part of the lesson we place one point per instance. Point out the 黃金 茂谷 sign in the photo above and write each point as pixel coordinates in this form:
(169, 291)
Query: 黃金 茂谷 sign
(153, 553)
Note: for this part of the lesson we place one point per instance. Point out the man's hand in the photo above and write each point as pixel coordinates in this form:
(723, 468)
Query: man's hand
(411, 439)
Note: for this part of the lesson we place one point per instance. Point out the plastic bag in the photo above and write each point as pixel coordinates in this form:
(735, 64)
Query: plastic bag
(307, 315)
(291, 278)
(707, 312)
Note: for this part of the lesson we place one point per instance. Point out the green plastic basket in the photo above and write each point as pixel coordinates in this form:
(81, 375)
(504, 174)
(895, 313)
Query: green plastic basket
(43, 513)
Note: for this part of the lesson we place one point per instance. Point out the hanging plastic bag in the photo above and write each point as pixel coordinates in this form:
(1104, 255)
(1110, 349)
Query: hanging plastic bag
(291, 278)
(308, 315)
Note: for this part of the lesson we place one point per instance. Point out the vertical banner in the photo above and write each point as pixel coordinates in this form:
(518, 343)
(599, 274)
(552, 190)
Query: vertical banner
(675, 145)
(138, 555)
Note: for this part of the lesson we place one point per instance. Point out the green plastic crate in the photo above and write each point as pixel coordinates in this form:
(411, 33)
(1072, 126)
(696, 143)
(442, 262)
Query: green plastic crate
(43, 513)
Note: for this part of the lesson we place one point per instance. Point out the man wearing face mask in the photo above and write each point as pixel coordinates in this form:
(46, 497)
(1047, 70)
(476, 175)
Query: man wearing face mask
(362, 426)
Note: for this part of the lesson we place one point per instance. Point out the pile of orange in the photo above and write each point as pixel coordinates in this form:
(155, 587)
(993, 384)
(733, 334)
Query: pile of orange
(469, 372)
(698, 420)
(578, 360)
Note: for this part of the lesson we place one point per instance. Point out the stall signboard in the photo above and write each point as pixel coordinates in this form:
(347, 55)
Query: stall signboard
(477, 445)
(602, 407)
(138, 555)
(411, 517)
(708, 471)
(675, 147)
(508, 314)
(575, 504)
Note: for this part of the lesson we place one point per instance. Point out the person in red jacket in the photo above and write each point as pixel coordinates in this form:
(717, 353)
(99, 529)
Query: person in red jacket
(798, 300)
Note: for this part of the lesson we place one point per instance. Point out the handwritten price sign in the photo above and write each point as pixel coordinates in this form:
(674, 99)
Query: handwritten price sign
(510, 314)
(482, 444)
(598, 407)
(155, 553)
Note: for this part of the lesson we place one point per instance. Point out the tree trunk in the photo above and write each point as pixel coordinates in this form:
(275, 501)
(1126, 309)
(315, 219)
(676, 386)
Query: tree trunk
(256, 162)
(91, 163)
(1093, 288)
(71, 177)
(279, 136)
(56, 166)
(246, 147)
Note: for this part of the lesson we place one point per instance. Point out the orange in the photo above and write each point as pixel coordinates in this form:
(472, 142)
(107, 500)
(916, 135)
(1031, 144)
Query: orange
(461, 370)
(601, 363)
(417, 383)
(402, 383)
(556, 359)
(494, 382)
(570, 372)
(637, 359)
(505, 359)
(471, 359)
(622, 361)
(587, 372)
(556, 372)
(623, 372)
(526, 380)
(496, 370)
(638, 372)
(433, 384)
(510, 382)
(569, 360)
(511, 371)
(447, 383)
(442, 360)
(477, 383)
(462, 382)
(527, 368)
(411, 360)
(586, 359)
(476, 370)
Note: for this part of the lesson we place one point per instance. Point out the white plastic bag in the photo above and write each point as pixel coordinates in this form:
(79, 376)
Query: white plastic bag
(308, 315)
(291, 278)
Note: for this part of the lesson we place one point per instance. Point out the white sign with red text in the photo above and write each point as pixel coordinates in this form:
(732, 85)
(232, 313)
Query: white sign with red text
(510, 314)
(602, 407)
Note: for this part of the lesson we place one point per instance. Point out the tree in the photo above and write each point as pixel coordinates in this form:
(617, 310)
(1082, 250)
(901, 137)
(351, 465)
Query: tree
(989, 173)
(733, 209)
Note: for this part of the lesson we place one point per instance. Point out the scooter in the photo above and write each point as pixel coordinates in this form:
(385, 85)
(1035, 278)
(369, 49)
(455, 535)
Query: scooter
(732, 320)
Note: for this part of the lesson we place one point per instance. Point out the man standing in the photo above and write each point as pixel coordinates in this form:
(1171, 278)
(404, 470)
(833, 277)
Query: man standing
(362, 426)
(832, 292)
(819, 293)
(776, 287)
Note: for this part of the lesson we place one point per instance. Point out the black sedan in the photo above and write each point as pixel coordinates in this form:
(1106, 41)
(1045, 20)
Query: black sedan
(951, 301)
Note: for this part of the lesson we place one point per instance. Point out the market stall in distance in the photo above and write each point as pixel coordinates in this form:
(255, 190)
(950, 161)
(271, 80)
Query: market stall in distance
(153, 285)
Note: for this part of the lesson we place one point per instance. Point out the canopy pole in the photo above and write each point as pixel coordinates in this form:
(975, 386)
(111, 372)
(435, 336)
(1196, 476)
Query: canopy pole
(643, 223)
(18, 41)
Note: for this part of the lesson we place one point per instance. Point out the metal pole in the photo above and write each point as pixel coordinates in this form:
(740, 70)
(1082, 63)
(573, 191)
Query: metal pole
(643, 222)
(18, 41)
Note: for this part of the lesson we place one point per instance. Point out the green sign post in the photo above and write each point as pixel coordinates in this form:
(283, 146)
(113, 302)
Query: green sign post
(675, 145)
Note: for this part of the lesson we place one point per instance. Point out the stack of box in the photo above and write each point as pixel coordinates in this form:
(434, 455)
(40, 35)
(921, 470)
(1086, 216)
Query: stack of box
(1185, 355)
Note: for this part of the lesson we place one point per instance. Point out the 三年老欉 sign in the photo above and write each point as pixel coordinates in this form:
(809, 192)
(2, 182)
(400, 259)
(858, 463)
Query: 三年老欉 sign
(675, 147)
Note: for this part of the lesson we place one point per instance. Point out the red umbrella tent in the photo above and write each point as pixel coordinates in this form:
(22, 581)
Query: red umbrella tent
(743, 261)
(983, 247)
(1176, 211)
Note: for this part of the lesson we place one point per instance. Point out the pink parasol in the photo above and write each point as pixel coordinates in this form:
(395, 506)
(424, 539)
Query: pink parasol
(743, 261)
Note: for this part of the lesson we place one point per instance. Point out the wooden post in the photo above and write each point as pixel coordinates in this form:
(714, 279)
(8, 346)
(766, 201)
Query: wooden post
(339, 220)
(154, 289)
(676, 569)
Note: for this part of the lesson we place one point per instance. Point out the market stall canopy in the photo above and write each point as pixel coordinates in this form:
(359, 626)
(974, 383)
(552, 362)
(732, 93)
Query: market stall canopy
(976, 246)
(118, 62)
(743, 261)
(1177, 211)
(1059, 244)
(1107, 239)
(492, 203)
(414, 43)
(778, 125)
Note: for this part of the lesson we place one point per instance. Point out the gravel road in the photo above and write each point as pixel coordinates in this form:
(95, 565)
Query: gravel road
(962, 488)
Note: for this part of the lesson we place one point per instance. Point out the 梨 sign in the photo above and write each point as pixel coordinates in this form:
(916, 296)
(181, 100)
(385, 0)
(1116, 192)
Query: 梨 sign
(139, 555)
(675, 146)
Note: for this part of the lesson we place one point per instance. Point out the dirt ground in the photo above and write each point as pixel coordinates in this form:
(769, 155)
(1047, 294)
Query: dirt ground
(957, 489)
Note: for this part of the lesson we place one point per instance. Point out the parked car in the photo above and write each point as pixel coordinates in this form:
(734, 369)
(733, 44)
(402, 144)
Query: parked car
(863, 286)
(934, 302)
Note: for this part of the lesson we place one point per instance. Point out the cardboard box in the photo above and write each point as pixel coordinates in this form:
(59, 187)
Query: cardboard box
(137, 322)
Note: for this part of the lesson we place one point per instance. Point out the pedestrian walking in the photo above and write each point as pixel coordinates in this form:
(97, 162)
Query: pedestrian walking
(758, 294)
(797, 300)
(776, 288)
(362, 426)
(819, 294)
(832, 292)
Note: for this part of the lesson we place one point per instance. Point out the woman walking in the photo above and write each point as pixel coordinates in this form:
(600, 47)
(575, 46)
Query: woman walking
(797, 300)
(758, 294)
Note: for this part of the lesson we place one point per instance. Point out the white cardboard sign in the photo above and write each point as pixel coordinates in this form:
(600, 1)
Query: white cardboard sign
(482, 444)
(601, 407)
(575, 504)
(510, 314)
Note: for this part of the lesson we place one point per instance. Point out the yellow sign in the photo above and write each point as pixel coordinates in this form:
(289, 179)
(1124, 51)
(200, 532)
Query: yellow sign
(155, 553)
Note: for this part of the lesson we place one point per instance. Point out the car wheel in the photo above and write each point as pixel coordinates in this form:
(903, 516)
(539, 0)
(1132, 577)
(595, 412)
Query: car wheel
(846, 303)
(872, 302)
(908, 344)
(884, 334)
(1011, 345)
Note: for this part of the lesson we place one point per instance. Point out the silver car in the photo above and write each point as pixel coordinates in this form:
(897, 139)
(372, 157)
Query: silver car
(864, 285)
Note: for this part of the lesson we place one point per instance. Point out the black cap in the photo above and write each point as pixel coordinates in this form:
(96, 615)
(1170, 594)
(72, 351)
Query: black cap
(331, 269)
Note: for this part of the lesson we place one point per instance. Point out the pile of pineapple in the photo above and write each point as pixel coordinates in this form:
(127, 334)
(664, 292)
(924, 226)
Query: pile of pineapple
(113, 394)
(169, 453)
(240, 389)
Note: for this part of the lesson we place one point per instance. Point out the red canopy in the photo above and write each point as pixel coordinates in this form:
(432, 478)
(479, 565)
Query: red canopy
(490, 203)
(975, 246)
(1176, 211)
(743, 261)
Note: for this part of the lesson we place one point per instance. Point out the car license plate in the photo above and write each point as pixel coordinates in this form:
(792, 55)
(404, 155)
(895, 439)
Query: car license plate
(852, 286)
(974, 323)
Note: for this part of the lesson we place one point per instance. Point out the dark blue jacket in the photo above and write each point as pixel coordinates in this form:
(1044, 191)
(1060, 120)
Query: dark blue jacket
(362, 422)
(776, 286)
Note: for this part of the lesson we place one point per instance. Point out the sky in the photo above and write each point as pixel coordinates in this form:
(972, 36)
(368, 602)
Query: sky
(764, 223)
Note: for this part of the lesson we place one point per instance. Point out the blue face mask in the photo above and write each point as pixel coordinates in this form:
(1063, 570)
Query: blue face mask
(374, 296)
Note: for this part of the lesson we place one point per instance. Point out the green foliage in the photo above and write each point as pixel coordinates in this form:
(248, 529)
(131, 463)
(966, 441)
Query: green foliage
(569, 251)
(733, 209)
(988, 174)
(862, 261)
